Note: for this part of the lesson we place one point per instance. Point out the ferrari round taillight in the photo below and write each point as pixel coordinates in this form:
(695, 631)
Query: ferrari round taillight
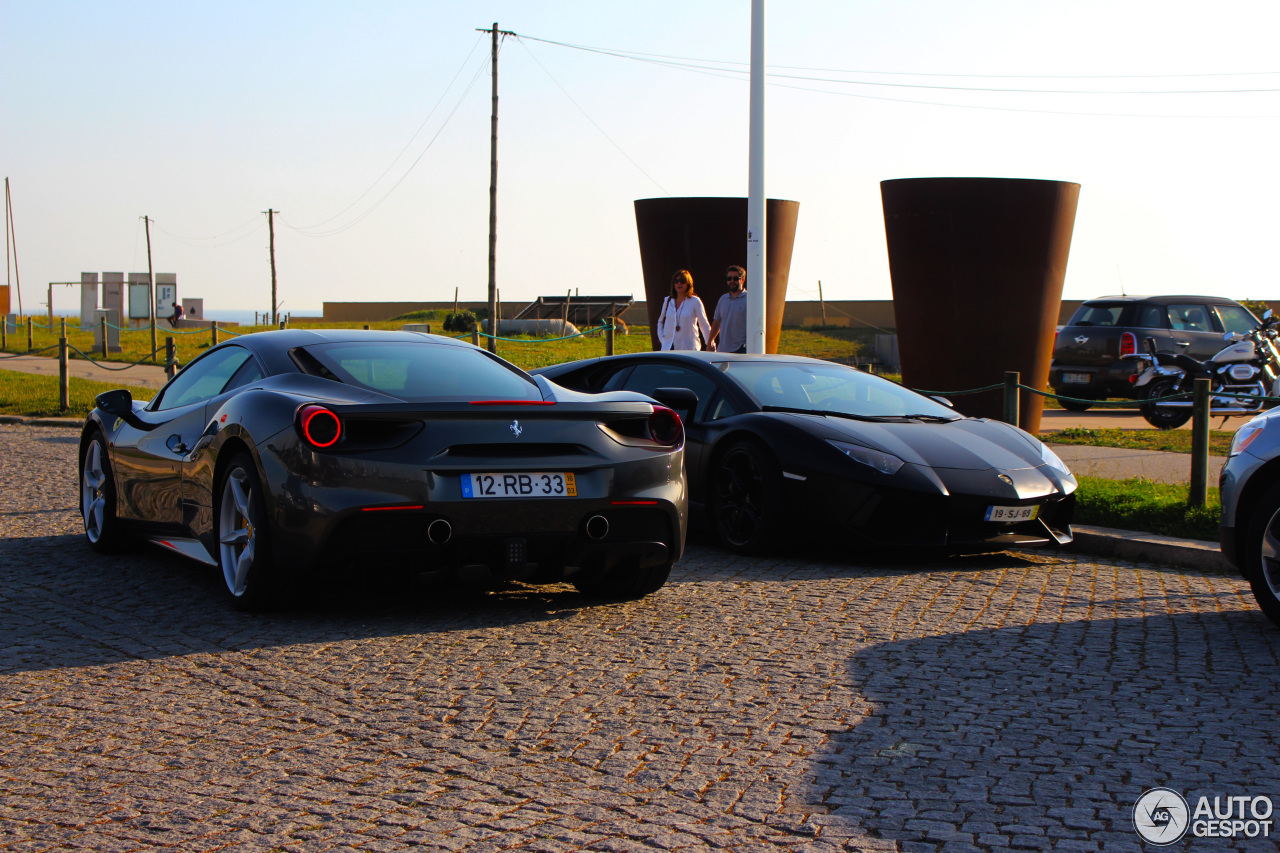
(319, 426)
(665, 427)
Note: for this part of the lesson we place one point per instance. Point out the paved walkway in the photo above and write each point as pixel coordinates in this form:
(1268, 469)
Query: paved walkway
(143, 375)
(1118, 463)
(807, 702)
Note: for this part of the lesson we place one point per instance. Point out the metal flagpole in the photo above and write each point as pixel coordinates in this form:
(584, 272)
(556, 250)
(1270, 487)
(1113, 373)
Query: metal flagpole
(756, 282)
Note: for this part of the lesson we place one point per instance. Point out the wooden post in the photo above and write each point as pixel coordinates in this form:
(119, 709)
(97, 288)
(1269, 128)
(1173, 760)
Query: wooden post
(475, 334)
(1198, 493)
(1012, 403)
(64, 391)
(105, 348)
(30, 336)
(213, 334)
(608, 336)
(822, 302)
(4, 333)
(255, 318)
(564, 321)
(455, 300)
(51, 307)
(170, 360)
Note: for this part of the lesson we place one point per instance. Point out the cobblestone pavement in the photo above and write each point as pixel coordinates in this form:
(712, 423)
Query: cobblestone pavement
(808, 703)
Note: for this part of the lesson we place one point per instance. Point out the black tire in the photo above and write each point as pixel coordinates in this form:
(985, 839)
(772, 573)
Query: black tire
(1261, 558)
(1164, 418)
(98, 499)
(244, 537)
(1073, 406)
(746, 499)
(624, 585)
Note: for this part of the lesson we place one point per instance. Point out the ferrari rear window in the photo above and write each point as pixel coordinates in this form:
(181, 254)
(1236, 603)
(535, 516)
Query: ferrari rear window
(418, 371)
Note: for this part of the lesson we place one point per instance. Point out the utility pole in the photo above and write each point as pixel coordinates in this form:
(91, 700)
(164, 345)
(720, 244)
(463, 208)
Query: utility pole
(9, 232)
(151, 289)
(493, 192)
(271, 231)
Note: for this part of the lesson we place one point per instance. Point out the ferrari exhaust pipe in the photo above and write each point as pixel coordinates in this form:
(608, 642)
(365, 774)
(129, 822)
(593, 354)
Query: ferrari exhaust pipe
(597, 527)
(439, 532)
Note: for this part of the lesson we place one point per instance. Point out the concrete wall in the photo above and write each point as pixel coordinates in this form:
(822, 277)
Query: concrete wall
(857, 314)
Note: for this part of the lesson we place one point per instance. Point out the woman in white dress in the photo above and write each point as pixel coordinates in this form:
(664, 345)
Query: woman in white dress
(682, 323)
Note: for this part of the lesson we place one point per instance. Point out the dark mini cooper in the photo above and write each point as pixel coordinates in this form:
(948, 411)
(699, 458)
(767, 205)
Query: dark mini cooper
(1089, 353)
(277, 455)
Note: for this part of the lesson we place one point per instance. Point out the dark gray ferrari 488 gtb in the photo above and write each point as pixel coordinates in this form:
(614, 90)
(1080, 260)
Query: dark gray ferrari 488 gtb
(277, 455)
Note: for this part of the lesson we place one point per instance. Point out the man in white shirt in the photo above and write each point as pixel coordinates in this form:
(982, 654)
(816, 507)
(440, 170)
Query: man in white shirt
(730, 319)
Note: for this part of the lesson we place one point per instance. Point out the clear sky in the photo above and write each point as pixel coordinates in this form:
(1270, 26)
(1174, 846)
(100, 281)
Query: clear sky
(367, 126)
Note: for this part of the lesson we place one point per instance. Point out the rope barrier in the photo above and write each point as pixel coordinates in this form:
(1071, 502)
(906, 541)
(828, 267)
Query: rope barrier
(958, 393)
(91, 360)
(546, 340)
(33, 352)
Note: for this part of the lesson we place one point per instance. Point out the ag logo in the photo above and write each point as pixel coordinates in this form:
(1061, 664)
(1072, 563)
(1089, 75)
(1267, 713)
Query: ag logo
(1161, 816)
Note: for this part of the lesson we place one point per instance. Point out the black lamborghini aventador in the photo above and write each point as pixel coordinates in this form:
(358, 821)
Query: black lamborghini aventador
(780, 444)
(277, 455)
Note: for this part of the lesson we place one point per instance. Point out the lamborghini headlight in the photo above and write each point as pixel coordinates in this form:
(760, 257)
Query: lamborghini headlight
(1051, 459)
(885, 463)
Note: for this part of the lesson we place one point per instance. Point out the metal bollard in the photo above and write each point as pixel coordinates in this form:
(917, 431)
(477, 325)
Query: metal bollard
(608, 337)
(64, 390)
(170, 358)
(475, 336)
(1012, 403)
(104, 337)
(1198, 492)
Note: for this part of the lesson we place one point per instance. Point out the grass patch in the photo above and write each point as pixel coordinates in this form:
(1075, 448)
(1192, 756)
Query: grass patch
(37, 396)
(1169, 441)
(1140, 504)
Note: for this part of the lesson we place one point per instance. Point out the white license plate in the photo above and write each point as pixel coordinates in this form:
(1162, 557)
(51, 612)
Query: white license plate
(1076, 378)
(1012, 513)
(540, 484)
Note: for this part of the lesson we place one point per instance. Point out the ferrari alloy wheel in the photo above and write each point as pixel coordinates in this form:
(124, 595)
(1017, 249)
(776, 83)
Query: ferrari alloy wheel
(243, 541)
(98, 499)
(1262, 553)
(1164, 417)
(746, 500)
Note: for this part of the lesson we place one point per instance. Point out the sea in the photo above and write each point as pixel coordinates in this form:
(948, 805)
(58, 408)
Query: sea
(227, 315)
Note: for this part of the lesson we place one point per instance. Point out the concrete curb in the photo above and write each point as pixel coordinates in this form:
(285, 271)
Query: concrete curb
(1149, 547)
(54, 422)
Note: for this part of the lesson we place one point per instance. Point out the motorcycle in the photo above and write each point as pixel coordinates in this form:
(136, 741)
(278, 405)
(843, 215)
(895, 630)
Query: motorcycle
(1249, 366)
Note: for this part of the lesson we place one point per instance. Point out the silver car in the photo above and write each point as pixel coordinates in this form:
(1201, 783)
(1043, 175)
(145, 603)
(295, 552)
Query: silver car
(1250, 528)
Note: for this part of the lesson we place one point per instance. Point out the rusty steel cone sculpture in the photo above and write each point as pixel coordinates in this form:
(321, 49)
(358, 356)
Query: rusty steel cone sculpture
(977, 267)
(705, 235)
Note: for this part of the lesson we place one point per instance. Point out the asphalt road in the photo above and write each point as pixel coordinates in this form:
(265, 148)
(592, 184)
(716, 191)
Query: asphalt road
(811, 701)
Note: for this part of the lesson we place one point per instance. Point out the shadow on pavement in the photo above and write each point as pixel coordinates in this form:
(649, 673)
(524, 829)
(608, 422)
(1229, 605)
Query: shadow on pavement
(1043, 736)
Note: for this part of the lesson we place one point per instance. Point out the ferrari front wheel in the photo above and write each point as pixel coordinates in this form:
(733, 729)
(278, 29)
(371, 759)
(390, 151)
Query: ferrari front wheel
(98, 498)
(244, 548)
(746, 498)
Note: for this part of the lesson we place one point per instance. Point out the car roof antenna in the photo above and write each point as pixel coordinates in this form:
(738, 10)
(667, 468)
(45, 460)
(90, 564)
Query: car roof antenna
(1122, 293)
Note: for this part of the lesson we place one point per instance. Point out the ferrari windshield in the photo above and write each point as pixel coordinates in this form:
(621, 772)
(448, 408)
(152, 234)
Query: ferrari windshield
(418, 371)
(825, 388)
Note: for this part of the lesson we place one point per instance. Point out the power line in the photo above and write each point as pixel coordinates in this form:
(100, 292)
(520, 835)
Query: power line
(590, 119)
(396, 159)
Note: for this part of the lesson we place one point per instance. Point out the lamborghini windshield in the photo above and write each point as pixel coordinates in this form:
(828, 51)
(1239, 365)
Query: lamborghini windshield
(824, 388)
